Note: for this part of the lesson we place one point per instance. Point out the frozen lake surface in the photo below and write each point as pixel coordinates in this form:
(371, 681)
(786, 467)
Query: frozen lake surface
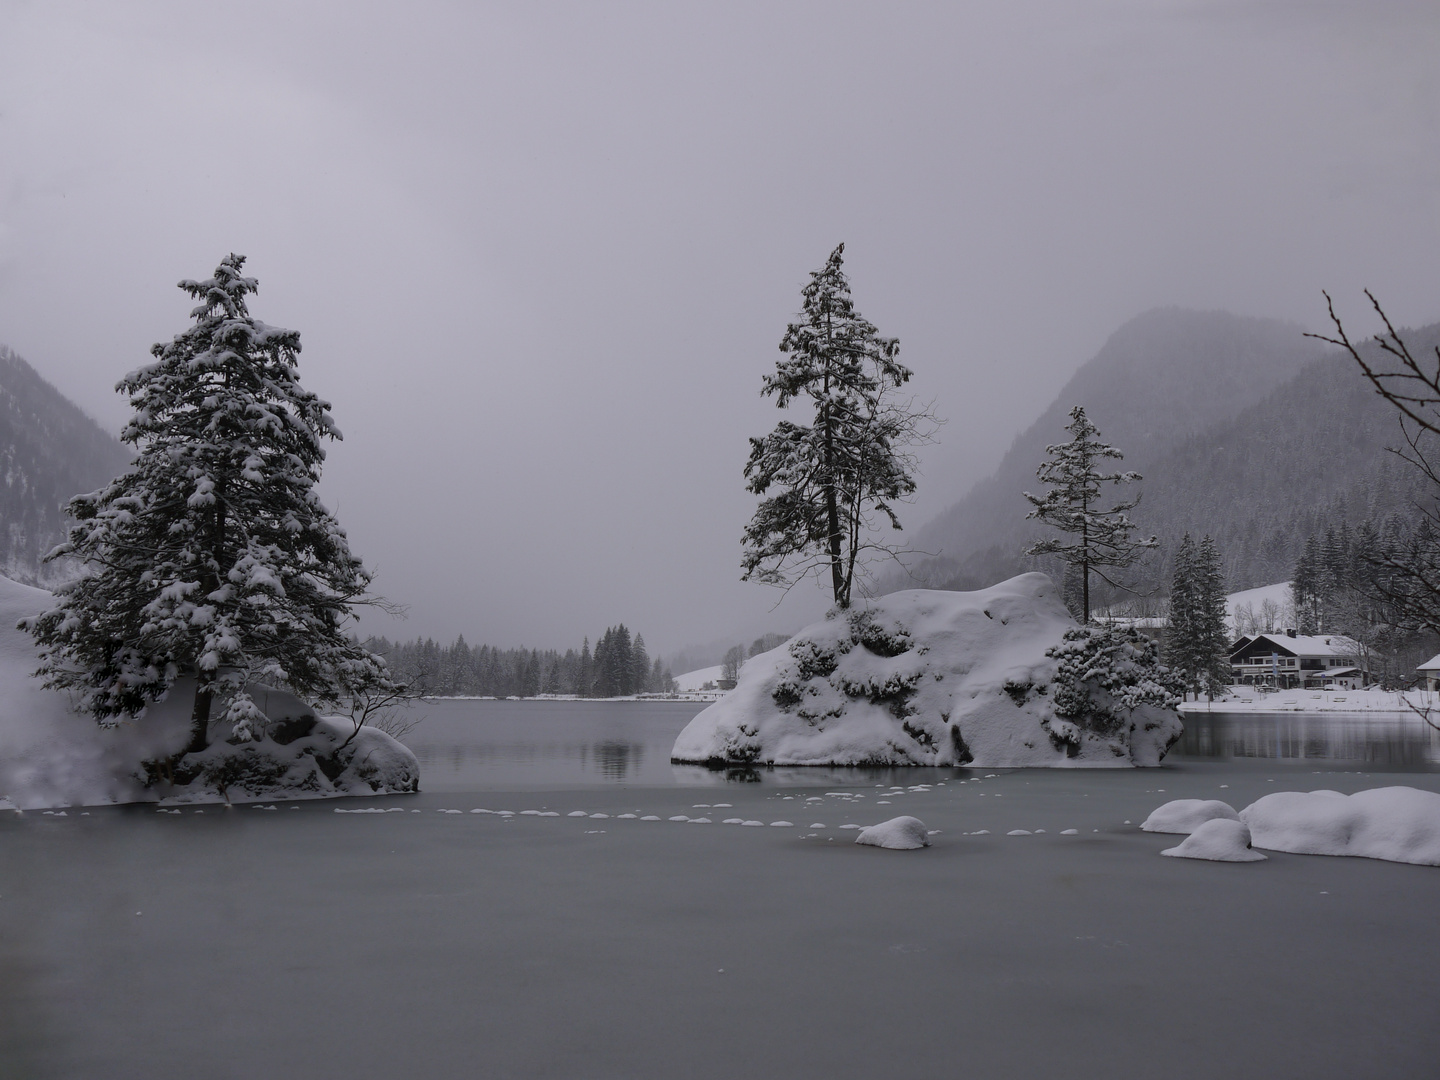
(301, 942)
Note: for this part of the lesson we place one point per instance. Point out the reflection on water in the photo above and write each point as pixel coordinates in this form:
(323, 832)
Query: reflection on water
(617, 760)
(1397, 742)
(475, 745)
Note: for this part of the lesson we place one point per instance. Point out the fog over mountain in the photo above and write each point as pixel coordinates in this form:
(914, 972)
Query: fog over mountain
(540, 255)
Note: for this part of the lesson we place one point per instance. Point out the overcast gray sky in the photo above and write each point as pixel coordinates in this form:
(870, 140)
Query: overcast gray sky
(541, 254)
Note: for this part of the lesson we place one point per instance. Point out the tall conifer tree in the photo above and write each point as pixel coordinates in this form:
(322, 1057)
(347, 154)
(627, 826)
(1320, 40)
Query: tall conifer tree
(212, 555)
(1102, 537)
(836, 475)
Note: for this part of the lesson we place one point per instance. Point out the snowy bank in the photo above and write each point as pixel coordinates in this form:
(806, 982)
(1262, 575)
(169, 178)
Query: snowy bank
(999, 677)
(51, 755)
(1398, 824)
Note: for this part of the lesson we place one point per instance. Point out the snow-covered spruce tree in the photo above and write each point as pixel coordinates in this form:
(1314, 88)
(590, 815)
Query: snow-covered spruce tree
(212, 555)
(1180, 632)
(1104, 674)
(1212, 668)
(836, 476)
(1103, 537)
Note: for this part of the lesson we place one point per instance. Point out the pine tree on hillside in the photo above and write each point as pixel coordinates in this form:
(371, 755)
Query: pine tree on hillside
(639, 666)
(1197, 644)
(212, 555)
(1212, 639)
(842, 472)
(1180, 634)
(1073, 505)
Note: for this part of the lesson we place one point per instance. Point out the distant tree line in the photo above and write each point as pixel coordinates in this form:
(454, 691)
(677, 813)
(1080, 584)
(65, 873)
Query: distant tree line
(618, 666)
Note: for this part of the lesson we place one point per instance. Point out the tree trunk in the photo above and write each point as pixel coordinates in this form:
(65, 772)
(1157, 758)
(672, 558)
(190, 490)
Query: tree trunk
(200, 720)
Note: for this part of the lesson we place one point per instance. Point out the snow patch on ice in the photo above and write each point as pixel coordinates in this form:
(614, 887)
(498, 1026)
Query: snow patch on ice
(1219, 840)
(1187, 815)
(898, 834)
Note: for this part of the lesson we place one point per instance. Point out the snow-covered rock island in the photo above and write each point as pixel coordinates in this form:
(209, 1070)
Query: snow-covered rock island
(995, 678)
(51, 755)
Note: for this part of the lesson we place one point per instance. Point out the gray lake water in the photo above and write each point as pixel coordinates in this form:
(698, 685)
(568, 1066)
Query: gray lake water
(298, 942)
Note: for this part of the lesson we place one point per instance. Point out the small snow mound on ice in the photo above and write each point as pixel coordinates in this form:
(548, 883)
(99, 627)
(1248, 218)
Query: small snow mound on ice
(1069, 832)
(782, 824)
(752, 824)
(817, 825)
(651, 817)
(937, 678)
(733, 821)
(981, 832)
(577, 813)
(852, 826)
(1018, 832)
(679, 817)
(1187, 815)
(1397, 824)
(549, 813)
(699, 821)
(529, 813)
(478, 810)
(599, 817)
(898, 834)
(723, 805)
(447, 811)
(624, 817)
(1219, 840)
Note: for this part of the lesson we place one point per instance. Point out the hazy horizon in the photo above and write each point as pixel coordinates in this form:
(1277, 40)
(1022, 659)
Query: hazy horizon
(540, 258)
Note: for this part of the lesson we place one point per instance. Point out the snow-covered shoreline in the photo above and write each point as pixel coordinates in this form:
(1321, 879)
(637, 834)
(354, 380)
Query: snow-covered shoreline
(1383, 704)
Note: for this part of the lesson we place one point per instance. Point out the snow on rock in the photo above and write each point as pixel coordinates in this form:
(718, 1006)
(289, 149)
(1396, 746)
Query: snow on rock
(898, 834)
(1398, 824)
(999, 677)
(1187, 815)
(50, 755)
(1218, 839)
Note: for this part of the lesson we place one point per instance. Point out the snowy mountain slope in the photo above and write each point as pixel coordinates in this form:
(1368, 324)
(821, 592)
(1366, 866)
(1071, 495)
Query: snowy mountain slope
(693, 680)
(926, 677)
(49, 451)
(1259, 601)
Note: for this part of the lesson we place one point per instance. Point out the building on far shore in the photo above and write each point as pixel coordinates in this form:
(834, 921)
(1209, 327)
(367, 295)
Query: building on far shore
(1430, 672)
(1289, 660)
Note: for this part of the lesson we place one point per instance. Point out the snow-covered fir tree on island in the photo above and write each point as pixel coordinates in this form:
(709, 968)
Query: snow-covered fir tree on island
(1103, 537)
(212, 557)
(839, 475)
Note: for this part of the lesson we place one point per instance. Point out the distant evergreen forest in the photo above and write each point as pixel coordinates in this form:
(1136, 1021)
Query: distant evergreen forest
(618, 667)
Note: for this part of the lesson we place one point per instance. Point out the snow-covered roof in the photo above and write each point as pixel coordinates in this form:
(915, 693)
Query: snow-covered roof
(1433, 664)
(1308, 644)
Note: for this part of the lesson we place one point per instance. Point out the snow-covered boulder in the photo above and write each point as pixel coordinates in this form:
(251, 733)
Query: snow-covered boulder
(50, 755)
(1398, 824)
(1187, 815)
(999, 677)
(1219, 840)
(898, 834)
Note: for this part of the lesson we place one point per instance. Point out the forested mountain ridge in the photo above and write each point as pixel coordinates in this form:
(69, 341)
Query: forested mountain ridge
(1242, 429)
(50, 451)
(1165, 376)
(1310, 456)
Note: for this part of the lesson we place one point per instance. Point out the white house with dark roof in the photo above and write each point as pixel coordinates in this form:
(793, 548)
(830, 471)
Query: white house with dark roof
(1289, 660)
(1430, 672)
